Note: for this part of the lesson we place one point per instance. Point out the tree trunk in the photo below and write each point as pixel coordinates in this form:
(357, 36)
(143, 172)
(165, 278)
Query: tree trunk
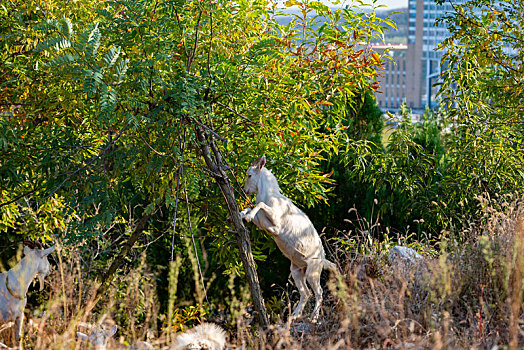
(214, 164)
(109, 274)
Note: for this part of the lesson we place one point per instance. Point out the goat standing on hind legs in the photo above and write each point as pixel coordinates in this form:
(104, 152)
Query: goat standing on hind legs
(292, 230)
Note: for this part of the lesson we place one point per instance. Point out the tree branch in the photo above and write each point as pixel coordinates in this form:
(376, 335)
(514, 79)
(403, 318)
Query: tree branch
(180, 175)
(235, 112)
(192, 53)
(209, 129)
(242, 234)
(109, 274)
(17, 197)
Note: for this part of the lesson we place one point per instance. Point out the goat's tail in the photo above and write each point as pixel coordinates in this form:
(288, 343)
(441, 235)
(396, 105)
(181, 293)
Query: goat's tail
(330, 266)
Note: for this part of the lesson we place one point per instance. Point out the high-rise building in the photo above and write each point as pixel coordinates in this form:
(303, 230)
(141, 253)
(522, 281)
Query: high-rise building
(419, 61)
(394, 84)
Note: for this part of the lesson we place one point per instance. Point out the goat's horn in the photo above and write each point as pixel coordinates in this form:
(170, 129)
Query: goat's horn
(30, 244)
(33, 244)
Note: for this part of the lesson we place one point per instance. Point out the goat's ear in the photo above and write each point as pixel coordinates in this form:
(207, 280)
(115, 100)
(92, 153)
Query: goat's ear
(82, 336)
(112, 331)
(259, 162)
(262, 162)
(48, 251)
(27, 250)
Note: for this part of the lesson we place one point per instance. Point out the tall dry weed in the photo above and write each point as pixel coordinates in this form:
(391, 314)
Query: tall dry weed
(468, 295)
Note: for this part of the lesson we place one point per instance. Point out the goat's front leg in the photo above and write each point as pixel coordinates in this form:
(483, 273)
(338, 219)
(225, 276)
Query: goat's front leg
(244, 212)
(19, 323)
(250, 216)
(263, 216)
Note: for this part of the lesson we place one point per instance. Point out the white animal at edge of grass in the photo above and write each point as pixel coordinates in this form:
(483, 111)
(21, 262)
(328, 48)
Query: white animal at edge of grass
(206, 336)
(98, 337)
(294, 234)
(15, 283)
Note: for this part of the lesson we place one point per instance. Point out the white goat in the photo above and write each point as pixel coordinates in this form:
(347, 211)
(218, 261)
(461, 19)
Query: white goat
(292, 230)
(15, 283)
(206, 336)
(99, 338)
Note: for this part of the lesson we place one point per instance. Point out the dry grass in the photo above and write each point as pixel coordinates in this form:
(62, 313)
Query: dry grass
(470, 296)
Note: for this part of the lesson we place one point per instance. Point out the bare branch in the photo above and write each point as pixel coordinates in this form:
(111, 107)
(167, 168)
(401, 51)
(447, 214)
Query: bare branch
(18, 197)
(152, 149)
(209, 129)
(235, 112)
(180, 175)
(192, 54)
(194, 244)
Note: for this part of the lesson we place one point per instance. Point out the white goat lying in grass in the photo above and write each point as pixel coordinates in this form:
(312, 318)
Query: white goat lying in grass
(207, 336)
(15, 283)
(99, 338)
(292, 230)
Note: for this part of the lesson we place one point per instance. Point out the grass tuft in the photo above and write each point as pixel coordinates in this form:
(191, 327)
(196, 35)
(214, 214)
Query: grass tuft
(464, 294)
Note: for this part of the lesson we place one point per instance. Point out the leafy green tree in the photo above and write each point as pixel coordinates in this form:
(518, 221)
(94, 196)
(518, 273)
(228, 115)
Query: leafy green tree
(437, 176)
(402, 178)
(364, 121)
(482, 91)
(124, 112)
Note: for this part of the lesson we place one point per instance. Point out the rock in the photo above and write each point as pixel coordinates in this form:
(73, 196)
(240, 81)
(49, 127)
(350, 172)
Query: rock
(400, 255)
(406, 262)
(302, 327)
(406, 345)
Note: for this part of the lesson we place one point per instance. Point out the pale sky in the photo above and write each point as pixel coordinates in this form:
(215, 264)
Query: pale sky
(394, 4)
(391, 4)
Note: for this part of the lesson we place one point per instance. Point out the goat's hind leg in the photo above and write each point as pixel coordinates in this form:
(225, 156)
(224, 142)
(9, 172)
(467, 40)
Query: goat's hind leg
(299, 277)
(313, 271)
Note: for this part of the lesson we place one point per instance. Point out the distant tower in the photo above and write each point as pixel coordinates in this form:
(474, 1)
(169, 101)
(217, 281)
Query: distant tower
(423, 38)
(418, 63)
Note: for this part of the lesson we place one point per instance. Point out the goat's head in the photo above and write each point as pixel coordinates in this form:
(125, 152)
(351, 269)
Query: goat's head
(38, 257)
(99, 337)
(252, 175)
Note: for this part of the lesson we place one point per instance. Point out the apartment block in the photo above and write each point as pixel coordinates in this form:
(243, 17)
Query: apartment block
(414, 67)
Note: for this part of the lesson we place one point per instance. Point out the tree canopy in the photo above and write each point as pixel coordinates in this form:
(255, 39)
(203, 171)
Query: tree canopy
(117, 111)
